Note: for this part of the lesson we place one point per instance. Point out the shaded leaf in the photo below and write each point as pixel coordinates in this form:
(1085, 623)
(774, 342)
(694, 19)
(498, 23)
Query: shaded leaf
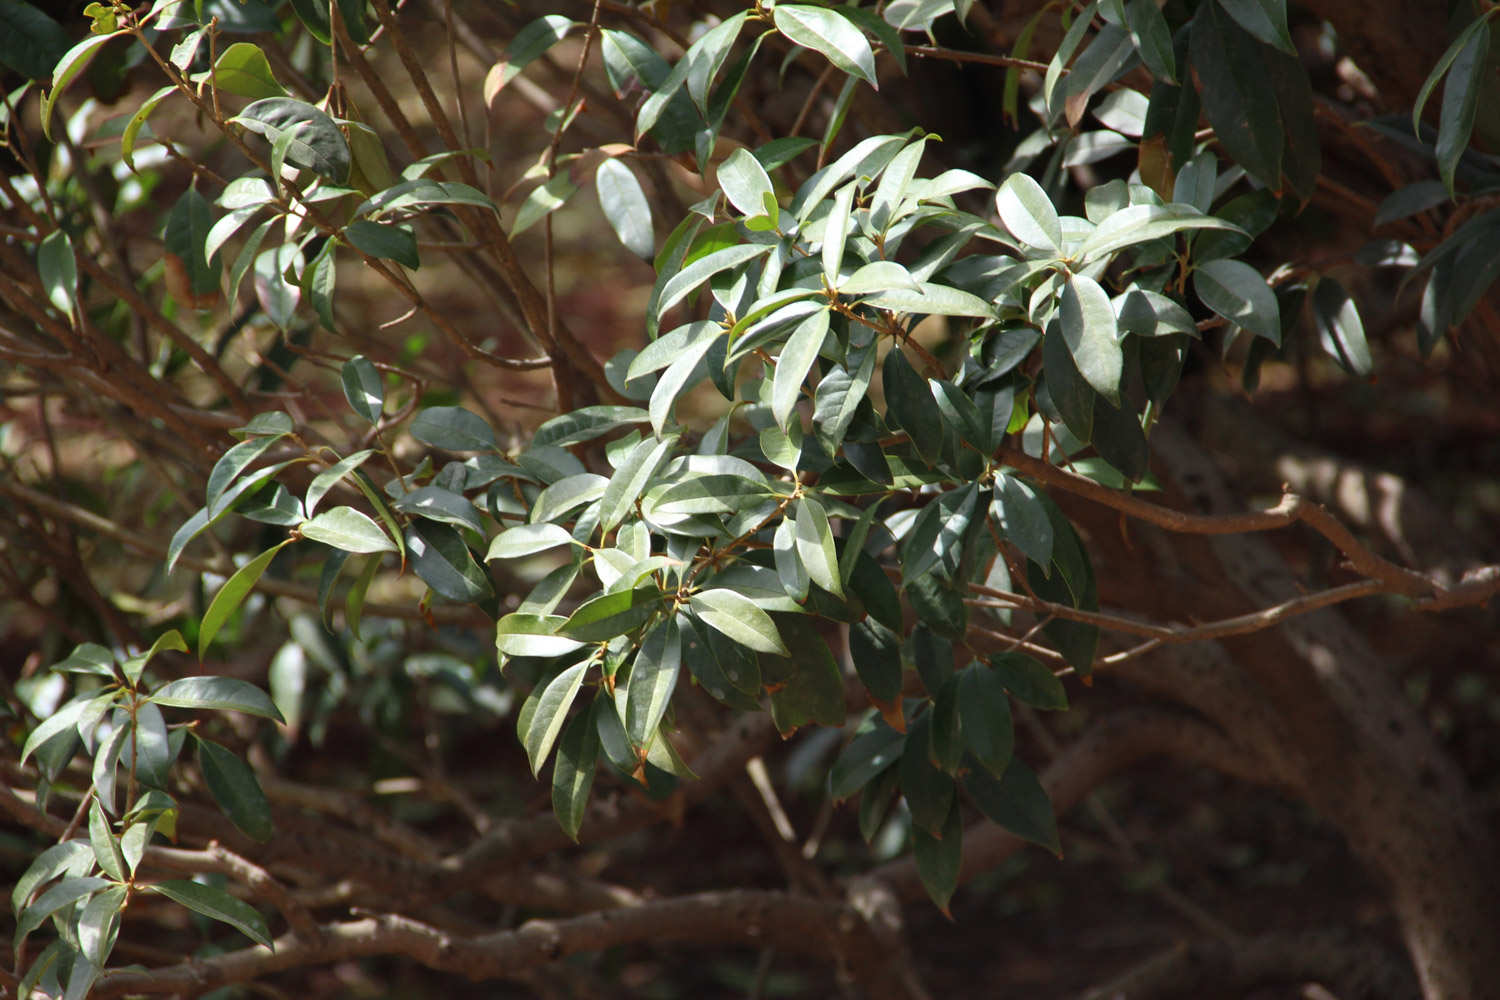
(217, 905)
(216, 694)
(236, 789)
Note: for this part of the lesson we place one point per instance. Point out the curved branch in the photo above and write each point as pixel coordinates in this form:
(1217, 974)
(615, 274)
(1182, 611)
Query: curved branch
(798, 924)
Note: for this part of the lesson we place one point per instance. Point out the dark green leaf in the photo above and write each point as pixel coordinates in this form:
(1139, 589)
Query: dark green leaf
(1470, 77)
(1237, 292)
(453, 428)
(106, 847)
(217, 905)
(653, 678)
(1231, 72)
(32, 42)
(58, 271)
(236, 789)
(909, 403)
(444, 562)
(88, 658)
(805, 686)
(1028, 680)
(939, 856)
(316, 143)
(1016, 801)
(216, 694)
(573, 771)
(725, 669)
(876, 652)
(363, 387)
(186, 236)
(438, 504)
(1265, 19)
(1023, 519)
(1120, 440)
(1152, 38)
(1072, 397)
(939, 603)
(528, 44)
(988, 732)
(869, 754)
(1088, 326)
(928, 791)
(737, 617)
(69, 890)
(386, 240)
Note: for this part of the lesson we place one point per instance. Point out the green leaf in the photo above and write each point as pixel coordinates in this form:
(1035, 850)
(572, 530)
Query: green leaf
(1265, 19)
(223, 694)
(702, 62)
(1152, 38)
(815, 548)
(138, 121)
(73, 62)
(710, 494)
(909, 404)
(940, 856)
(68, 891)
(1444, 63)
(1231, 72)
(445, 506)
(132, 667)
(453, 428)
(1144, 223)
(348, 530)
(227, 601)
(1016, 801)
(563, 496)
(242, 69)
(98, 926)
(928, 791)
(440, 557)
(807, 689)
(526, 540)
(1029, 681)
(653, 678)
(385, 240)
(585, 424)
(738, 618)
(523, 634)
(601, 618)
(795, 361)
(325, 480)
(876, 653)
(58, 271)
(745, 182)
(318, 280)
(543, 201)
(1468, 79)
(868, 755)
(420, 193)
(217, 905)
(106, 847)
(932, 299)
(88, 658)
(316, 143)
(1088, 326)
(573, 771)
(1237, 292)
(363, 387)
(630, 479)
(60, 721)
(236, 789)
(686, 368)
(33, 42)
(984, 711)
(229, 467)
(1023, 519)
(826, 31)
(1027, 212)
(186, 237)
(626, 208)
(528, 44)
(1339, 325)
(551, 712)
(700, 270)
(68, 856)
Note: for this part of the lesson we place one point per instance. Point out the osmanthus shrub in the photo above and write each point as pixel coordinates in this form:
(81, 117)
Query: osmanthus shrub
(851, 470)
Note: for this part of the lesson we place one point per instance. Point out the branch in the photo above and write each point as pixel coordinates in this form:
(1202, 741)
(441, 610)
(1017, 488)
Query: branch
(815, 928)
(1291, 510)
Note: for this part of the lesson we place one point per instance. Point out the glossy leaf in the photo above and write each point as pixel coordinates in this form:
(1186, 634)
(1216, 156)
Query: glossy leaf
(216, 905)
(909, 403)
(1232, 84)
(653, 678)
(58, 271)
(242, 68)
(625, 207)
(73, 62)
(1237, 292)
(384, 240)
(316, 143)
(737, 617)
(453, 428)
(601, 618)
(928, 791)
(1027, 212)
(876, 653)
(348, 530)
(795, 361)
(573, 771)
(331, 476)
(866, 756)
(1265, 19)
(1468, 80)
(526, 634)
(1088, 326)
(551, 713)
(1144, 223)
(440, 557)
(526, 540)
(984, 709)
(825, 31)
(815, 548)
(216, 694)
(363, 387)
(1343, 333)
